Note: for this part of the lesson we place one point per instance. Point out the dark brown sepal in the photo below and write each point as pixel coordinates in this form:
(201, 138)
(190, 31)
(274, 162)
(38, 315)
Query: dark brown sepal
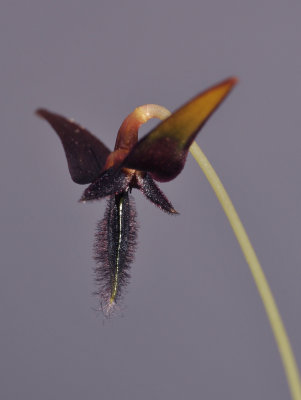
(86, 155)
(111, 181)
(151, 191)
(161, 157)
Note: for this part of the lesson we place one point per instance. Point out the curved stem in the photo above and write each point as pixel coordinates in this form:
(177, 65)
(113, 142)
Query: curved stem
(128, 132)
(284, 347)
(144, 113)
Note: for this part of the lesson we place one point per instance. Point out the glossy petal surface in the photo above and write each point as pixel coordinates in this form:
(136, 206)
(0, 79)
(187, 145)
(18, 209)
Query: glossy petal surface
(163, 151)
(86, 155)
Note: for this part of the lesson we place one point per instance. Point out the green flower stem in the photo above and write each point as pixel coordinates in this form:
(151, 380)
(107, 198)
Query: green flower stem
(146, 112)
(284, 347)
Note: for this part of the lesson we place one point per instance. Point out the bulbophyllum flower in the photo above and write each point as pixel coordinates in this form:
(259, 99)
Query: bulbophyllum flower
(158, 156)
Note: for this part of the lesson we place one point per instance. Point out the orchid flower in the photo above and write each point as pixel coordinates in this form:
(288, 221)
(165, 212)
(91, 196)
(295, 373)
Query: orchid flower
(134, 164)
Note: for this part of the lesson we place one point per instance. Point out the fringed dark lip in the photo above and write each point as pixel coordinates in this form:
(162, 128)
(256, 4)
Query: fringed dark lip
(114, 249)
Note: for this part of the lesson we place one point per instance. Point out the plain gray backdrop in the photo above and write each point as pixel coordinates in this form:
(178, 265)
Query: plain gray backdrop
(192, 325)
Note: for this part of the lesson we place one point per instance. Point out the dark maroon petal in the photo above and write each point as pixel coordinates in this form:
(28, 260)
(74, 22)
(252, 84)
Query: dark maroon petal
(111, 181)
(154, 194)
(163, 151)
(86, 155)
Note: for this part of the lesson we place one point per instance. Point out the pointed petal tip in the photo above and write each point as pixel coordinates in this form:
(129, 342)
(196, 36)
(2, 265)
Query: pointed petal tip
(230, 82)
(43, 114)
(40, 112)
(233, 80)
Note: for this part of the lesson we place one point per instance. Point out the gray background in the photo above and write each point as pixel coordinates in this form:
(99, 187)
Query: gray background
(193, 325)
